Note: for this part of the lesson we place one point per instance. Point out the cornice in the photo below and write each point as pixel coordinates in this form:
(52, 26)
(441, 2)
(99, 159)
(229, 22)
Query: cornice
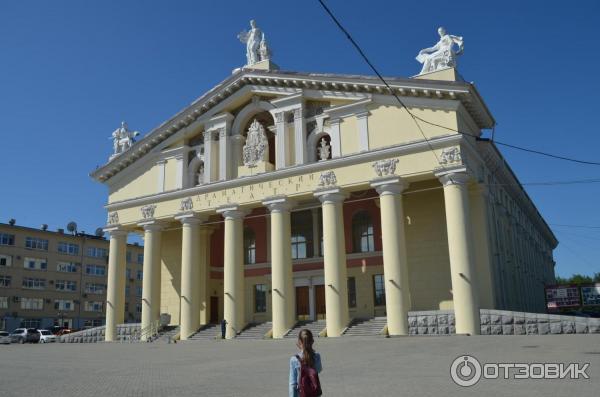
(464, 92)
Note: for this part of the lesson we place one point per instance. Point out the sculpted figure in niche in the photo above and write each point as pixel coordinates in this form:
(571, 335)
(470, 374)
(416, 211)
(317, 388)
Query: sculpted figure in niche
(324, 150)
(257, 146)
(442, 54)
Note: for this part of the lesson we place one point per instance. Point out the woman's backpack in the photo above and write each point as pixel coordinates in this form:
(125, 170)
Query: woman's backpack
(308, 384)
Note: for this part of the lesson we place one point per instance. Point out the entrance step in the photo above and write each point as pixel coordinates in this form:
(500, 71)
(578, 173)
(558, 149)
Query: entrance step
(314, 326)
(167, 334)
(366, 327)
(207, 332)
(255, 331)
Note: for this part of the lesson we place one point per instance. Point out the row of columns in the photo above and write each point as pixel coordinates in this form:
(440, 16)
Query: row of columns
(194, 266)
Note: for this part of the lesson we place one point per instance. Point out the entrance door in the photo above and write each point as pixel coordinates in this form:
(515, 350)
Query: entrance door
(320, 301)
(214, 309)
(302, 303)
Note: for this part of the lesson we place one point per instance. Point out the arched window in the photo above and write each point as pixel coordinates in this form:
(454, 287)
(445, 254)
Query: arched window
(362, 232)
(249, 246)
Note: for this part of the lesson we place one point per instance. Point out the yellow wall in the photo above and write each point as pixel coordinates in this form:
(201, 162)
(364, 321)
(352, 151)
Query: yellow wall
(349, 136)
(171, 174)
(170, 298)
(142, 181)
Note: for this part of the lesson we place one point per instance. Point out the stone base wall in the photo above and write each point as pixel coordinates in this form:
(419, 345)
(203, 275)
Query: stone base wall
(93, 335)
(503, 322)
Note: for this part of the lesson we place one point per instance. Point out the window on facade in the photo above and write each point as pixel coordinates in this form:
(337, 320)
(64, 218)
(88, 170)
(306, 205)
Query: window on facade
(93, 306)
(3, 302)
(65, 285)
(127, 290)
(96, 252)
(31, 323)
(128, 256)
(34, 283)
(351, 292)
(138, 291)
(5, 281)
(140, 275)
(249, 246)
(5, 260)
(379, 290)
(35, 264)
(95, 270)
(260, 298)
(67, 267)
(32, 304)
(66, 305)
(68, 248)
(140, 259)
(92, 323)
(362, 232)
(302, 234)
(7, 239)
(138, 307)
(36, 243)
(93, 288)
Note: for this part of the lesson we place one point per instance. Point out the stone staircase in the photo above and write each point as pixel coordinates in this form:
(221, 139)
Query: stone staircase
(314, 326)
(366, 327)
(255, 331)
(167, 334)
(207, 332)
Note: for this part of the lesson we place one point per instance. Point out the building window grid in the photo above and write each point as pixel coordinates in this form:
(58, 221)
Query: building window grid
(68, 248)
(138, 291)
(35, 264)
(34, 283)
(362, 233)
(299, 247)
(96, 252)
(7, 239)
(249, 247)
(66, 285)
(379, 290)
(3, 302)
(65, 305)
(36, 243)
(31, 323)
(140, 275)
(5, 260)
(67, 267)
(32, 303)
(140, 259)
(93, 306)
(260, 298)
(95, 270)
(5, 281)
(94, 288)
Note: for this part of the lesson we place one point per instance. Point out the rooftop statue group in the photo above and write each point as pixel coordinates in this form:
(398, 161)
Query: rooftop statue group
(442, 54)
(123, 139)
(257, 49)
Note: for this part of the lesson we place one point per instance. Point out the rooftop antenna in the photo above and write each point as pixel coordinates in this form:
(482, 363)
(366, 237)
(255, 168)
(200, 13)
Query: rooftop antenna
(44, 226)
(12, 221)
(72, 227)
(99, 232)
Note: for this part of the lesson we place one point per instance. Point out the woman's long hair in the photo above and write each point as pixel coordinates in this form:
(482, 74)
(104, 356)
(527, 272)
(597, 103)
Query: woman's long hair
(305, 337)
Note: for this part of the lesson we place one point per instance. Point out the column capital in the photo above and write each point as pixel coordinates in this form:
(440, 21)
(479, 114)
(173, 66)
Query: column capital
(152, 225)
(389, 185)
(278, 204)
(116, 232)
(232, 212)
(335, 195)
(454, 177)
(191, 219)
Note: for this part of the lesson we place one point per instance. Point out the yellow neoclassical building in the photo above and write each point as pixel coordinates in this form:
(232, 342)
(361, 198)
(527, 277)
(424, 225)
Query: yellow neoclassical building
(280, 197)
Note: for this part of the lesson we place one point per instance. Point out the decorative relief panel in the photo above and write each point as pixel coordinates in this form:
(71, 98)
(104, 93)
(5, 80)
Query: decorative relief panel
(327, 179)
(385, 167)
(113, 218)
(148, 211)
(450, 156)
(187, 204)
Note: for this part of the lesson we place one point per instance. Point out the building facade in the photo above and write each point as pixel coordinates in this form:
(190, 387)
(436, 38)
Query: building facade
(283, 196)
(55, 278)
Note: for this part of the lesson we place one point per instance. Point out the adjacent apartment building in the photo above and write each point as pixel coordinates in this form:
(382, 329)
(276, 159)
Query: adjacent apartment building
(59, 278)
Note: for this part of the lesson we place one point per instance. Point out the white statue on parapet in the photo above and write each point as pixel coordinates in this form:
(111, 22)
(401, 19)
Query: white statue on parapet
(442, 54)
(257, 145)
(123, 139)
(257, 48)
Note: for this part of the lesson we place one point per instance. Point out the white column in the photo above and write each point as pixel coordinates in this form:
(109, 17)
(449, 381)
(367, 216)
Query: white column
(233, 273)
(208, 157)
(336, 145)
(224, 155)
(190, 275)
(460, 248)
(300, 137)
(115, 291)
(395, 262)
(362, 126)
(280, 140)
(151, 273)
(282, 284)
(336, 280)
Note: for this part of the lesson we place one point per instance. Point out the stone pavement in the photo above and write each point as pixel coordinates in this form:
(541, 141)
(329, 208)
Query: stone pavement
(353, 366)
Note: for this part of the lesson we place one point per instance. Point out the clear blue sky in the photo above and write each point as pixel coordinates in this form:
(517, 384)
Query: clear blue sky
(70, 71)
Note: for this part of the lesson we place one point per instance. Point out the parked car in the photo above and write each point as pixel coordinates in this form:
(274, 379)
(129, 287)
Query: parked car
(25, 335)
(4, 338)
(46, 336)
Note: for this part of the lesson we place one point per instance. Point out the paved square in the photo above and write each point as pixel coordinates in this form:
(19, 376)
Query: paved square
(353, 366)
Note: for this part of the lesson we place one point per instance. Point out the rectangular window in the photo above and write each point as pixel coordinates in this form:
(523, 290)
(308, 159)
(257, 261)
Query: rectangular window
(67, 267)
(92, 323)
(3, 302)
(140, 258)
(93, 288)
(93, 306)
(127, 290)
(68, 248)
(66, 285)
(31, 323)
(379, 289)
(5, 260)
(140, 275)
(34, 283)
(138, 307)
(5, 281)
(351, 292)
(7, 239)
(260, 298)
(299, 247)
(128, 273)
(35, 264)
(95, 270)
(32, 304)
(66, 305)
(96, 252)
(36, 243)
(128, 256)
(138, 291)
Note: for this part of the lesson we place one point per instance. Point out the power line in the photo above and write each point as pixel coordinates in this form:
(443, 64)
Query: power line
(415, 117)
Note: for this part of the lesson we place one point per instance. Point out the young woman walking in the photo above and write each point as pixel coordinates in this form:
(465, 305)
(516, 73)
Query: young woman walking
(305, 368)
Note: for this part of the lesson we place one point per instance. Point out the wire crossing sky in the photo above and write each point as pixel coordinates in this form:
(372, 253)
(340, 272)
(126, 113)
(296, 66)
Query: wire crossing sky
(71, 71)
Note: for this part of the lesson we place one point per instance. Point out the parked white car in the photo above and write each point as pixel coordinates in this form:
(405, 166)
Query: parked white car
(46, 336)
(4, 338)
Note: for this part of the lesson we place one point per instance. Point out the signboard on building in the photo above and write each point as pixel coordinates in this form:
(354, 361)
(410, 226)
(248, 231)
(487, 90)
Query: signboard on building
(560, 296)
(590, 295)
